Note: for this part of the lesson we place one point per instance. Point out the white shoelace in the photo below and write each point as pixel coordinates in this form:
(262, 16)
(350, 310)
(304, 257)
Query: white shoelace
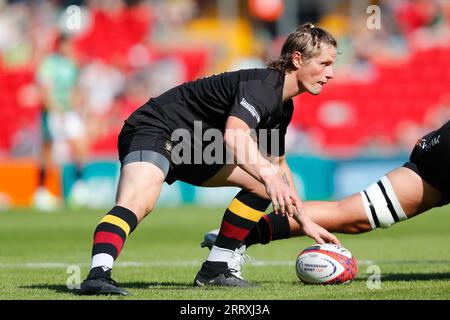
(238, 259)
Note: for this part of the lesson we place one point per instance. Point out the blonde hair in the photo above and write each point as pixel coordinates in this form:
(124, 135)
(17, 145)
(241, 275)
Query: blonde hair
(308, 40)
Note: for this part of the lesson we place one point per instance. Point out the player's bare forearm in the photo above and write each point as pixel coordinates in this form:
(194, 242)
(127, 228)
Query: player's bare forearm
(247, 156)
(246, 153)
(288, 178)
(287, 173)
(304, 224)
(245, 150)
(344, 216)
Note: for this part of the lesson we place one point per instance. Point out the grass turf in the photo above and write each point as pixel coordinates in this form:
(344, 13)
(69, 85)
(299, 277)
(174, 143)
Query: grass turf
(40, 253)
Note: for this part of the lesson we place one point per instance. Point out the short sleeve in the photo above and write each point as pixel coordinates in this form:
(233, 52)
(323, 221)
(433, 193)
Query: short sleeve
(279, 136)
(252, 102)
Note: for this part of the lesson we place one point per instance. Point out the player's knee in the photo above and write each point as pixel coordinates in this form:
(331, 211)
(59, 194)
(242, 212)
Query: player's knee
(381, 205)
(140, 206)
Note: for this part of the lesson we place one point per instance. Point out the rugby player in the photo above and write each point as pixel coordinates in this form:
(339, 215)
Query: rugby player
(152, 150)
(419, 185)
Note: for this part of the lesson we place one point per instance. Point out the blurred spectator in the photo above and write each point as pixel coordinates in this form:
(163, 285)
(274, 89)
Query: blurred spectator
(63, 129)
(128, 51)
(99, 85)
(414, 14)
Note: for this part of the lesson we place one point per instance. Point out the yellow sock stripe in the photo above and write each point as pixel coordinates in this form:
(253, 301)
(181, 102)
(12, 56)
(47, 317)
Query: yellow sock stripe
(244, 211)
(118, 222)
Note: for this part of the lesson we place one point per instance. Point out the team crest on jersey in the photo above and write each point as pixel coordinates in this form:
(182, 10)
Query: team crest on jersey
(168, 146)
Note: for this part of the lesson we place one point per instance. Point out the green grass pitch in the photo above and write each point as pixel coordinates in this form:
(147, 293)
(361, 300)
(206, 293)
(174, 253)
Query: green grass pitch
(41, 252)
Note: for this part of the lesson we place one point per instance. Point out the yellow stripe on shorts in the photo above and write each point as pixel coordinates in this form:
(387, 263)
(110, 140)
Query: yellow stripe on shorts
(117, 222)
(244, 211)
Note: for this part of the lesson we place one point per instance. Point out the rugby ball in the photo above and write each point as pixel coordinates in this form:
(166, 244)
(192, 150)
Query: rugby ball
(326, 264)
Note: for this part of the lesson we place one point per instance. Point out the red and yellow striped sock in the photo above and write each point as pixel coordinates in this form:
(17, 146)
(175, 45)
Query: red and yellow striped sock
(269, 228)
(241, 216)
(110, 236)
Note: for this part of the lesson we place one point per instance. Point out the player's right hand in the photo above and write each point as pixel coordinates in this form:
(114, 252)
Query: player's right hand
(280, 194)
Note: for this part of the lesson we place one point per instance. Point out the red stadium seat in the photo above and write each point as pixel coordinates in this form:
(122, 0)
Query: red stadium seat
(403, 92)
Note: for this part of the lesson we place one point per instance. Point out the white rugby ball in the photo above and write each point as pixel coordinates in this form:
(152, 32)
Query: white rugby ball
(326, 264)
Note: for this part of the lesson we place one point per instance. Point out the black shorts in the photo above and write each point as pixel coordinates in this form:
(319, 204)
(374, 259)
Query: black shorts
(139, 138)
(430, 159)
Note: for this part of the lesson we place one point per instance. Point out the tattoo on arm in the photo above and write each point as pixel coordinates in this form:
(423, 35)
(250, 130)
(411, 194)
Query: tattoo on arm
(286, 180)
(298, 213)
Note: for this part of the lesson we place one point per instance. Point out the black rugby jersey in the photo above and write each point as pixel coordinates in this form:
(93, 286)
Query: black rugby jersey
(253, 95)
(430, 158)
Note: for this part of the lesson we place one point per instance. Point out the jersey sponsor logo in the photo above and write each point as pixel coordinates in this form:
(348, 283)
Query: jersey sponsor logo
(435, 141)
(427, 145)
(421, 143)
(250, 109)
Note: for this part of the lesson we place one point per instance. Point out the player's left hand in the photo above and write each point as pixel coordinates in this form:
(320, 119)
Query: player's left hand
(314, 231)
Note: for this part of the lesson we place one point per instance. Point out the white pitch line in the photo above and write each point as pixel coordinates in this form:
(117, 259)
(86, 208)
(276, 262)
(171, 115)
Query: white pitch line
(192, 263)
(126, 264)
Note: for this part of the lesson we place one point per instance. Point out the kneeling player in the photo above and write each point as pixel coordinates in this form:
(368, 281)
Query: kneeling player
(229, 107)
(420, 184)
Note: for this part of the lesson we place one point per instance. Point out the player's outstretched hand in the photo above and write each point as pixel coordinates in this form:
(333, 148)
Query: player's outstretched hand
(314, 231)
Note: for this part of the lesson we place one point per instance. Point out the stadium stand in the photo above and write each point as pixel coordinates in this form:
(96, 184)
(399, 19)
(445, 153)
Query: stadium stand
(400, 93)
(388, 84)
